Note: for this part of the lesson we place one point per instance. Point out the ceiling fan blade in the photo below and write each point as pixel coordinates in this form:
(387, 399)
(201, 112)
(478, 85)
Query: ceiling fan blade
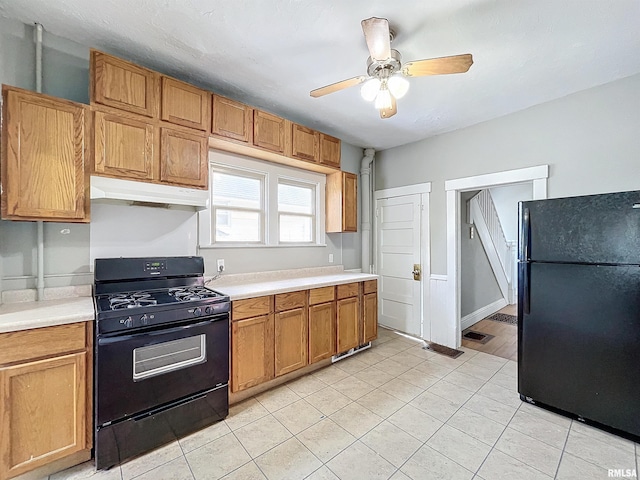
(389, 112)
(376, 34)
(334, 87)
(438, 66)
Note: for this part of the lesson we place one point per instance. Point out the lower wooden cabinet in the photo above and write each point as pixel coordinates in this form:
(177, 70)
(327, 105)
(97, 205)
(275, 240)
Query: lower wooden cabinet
(45, 403)
(251, 352)
(369, 317)
(322, 331)
(347, 323)
(291, 337)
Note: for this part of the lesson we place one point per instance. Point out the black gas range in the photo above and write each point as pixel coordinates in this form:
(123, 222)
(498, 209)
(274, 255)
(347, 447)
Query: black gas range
(161, 354)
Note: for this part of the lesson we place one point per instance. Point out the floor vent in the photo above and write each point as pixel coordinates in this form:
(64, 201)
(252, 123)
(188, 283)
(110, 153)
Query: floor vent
(504, 318)
(441, 349)
(348, 353)
(476, 336)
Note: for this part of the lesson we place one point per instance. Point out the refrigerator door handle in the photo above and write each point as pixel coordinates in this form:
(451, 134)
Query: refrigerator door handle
(526, 289)
(526, 227)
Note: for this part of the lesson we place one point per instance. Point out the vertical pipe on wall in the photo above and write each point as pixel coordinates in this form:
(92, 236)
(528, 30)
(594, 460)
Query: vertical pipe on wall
(365, 181)
(40, 235)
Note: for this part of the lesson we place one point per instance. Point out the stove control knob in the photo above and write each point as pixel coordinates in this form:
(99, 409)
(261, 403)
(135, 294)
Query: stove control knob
(128, 322)
(144, 319)
(197, 311)
(207, 310)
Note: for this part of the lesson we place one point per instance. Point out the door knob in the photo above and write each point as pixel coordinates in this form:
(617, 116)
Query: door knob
(416, 271)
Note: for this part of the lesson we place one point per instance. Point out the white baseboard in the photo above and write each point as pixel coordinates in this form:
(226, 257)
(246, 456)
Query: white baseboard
(475, 317)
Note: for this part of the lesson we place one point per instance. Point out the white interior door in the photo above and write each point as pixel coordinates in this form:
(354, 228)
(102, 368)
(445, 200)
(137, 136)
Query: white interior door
(398, 246)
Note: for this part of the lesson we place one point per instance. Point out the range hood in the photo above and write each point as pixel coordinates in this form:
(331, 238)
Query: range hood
(127, 190)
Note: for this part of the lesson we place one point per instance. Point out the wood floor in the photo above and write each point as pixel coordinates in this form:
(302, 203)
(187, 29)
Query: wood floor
(505, 341)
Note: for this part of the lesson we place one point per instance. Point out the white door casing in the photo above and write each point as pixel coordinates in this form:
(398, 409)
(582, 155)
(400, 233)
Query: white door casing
(401, 242)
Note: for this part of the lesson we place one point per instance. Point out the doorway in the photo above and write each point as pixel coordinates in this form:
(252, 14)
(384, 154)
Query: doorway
(451, 327)
(402, 258)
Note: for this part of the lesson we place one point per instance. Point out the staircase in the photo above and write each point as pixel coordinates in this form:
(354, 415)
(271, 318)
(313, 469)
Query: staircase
(500, 252)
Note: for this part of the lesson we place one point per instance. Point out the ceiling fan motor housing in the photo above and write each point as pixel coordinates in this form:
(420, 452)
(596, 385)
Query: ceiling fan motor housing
(384, 68)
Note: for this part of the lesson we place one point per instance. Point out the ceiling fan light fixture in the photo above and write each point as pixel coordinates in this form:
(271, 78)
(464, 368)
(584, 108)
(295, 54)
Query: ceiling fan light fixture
(383, 99)
(370, 89)
(398, 85)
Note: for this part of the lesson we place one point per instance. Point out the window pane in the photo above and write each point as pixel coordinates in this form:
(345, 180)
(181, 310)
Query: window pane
(295, 199)
(236, 191)
(294, 228)
(237, 226)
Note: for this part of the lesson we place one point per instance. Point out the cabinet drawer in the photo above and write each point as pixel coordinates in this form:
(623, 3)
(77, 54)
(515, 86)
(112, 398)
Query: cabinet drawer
(41, 342)
(347, 290)
(321, 295)
(251, 307)
(370, 286)
(291, 300)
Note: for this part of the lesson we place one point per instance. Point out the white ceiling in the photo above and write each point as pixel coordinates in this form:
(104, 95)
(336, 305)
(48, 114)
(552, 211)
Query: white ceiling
(272, 53)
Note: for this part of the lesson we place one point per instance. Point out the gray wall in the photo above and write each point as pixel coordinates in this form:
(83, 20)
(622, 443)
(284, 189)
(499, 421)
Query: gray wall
(506, 200)
(590, 140)
(478, 284)
(67, 246)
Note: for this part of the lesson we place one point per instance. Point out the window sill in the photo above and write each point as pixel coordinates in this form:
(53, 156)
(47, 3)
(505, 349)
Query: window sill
(287, 245)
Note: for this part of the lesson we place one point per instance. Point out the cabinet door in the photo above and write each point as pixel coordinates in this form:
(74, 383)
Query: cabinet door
(349, 202)
(183, 158)
(43, 158)
(251, 352)
(123, 85)
(342, 202)
(330, 151)
(42, 412)
(369, 317)
(268, 131)
(290, 340)
(184, 104)
(348, 319)
(123, 146)
(304, 143)
(322, 331)
(232, 119)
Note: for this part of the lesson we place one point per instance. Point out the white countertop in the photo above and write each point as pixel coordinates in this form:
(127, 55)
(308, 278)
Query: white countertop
(259, 289)
(28, 315)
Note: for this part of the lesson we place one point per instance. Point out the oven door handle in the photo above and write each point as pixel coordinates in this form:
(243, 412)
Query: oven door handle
(106, 340)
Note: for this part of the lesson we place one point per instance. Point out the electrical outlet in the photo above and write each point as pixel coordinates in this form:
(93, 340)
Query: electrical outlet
(331, 258)
(220, 265)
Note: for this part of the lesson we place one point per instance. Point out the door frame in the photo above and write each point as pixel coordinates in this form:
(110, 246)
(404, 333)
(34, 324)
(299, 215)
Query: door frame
(423, 189)
(449, 329)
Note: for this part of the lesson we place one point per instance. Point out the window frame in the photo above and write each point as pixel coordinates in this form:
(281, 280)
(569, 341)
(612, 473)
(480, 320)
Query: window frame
(261, 177)
(294, 182)
(273, 175)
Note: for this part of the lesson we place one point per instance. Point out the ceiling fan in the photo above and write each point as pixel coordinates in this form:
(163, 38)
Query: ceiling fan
(386, 80)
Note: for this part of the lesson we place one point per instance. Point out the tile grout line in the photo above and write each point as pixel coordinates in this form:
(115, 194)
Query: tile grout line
(563, 449)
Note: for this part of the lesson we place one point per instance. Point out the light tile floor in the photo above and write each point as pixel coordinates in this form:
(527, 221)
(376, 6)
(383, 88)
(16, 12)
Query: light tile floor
(395, 411)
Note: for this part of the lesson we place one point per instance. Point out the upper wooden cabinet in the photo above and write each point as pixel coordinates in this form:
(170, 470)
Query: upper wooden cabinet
(305, 143)
(183, 158)
(330, 150)
(44, 150)
(124, 85)
(232, 119)
(124, 146)
(185, 105)
(269, 131)
(342, 202)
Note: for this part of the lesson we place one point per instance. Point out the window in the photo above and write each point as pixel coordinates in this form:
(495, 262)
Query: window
(296, 212)
(255, 203)
(237, 205)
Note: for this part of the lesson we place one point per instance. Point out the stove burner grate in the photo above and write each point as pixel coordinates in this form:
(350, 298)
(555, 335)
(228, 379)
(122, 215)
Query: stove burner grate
(131, 300)
(187, 294)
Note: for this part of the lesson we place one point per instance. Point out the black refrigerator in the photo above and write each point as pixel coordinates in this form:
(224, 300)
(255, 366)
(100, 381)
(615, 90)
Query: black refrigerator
(579, 307)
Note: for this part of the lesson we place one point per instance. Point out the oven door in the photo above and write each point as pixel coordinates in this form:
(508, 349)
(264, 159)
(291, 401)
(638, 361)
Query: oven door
(145, 370)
